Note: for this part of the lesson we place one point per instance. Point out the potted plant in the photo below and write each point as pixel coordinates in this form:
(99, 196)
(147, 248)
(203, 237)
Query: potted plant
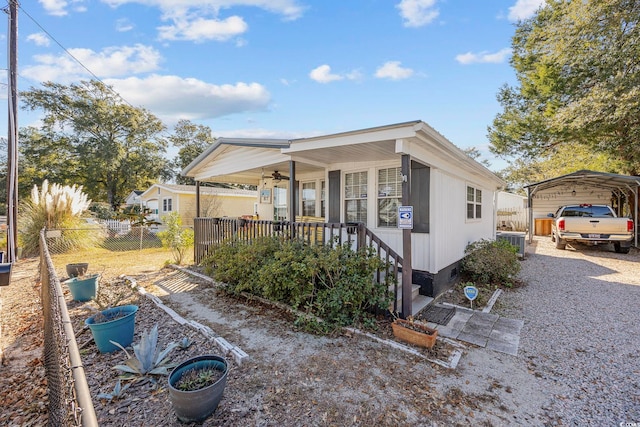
(83, 288)
(113, 324)
(196, 386)
(414, 332)
(77, 269)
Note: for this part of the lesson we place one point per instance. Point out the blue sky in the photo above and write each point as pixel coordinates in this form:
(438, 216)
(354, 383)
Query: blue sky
(282, 68)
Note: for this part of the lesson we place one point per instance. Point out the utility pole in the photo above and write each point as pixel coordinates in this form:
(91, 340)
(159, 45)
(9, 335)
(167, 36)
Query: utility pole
(12, 136)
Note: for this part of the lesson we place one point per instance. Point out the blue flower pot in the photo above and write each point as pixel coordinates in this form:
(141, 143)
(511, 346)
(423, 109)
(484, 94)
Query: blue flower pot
(5, 273)
(197, 405)
(118, 327)
(83, 289)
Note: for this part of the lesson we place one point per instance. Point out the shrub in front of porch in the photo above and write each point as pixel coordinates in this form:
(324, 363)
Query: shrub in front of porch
(335, 284)
(491, 262)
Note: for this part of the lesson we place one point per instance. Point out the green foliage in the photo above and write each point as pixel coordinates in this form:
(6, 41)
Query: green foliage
(176, 238)
(102, 210)
(334, 284)
(491, 262)
(91, 136)
(117, 393)
(55, 207)
(192, 140)
(195, 379)
(578, 82)
(149, 359)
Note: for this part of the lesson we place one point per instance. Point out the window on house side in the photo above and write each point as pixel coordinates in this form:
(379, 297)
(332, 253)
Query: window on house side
(474, 203)
(166, 205)
(355, 195)
(389, 196)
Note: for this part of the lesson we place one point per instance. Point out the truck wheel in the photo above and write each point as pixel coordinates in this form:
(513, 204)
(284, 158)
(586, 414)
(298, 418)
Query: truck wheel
(560, 244)
(621, 249)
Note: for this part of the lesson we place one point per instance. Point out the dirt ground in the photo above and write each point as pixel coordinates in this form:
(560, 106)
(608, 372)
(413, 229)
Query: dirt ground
(290, 379)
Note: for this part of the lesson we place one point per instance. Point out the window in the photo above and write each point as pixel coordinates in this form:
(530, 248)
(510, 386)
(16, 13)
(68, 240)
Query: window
(389, 196)
(474, 203)
(309, 198)
(166, 205)
(355, 195)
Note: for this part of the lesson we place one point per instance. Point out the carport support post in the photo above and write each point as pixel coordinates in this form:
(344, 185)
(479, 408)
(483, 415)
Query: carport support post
(530, 204)
(197, 199)
(407, 270)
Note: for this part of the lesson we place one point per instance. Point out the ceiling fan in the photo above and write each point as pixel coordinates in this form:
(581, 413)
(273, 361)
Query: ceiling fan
(277, 176)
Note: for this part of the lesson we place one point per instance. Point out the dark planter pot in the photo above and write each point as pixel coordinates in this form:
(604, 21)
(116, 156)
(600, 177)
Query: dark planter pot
(77, 269)
(119, 330)
(5, 273)
(197, 405)
(83, 289)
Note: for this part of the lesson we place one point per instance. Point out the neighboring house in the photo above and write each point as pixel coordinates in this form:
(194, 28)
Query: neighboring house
(512, 211)
(133, 198)
(359, 176)
(162, 199)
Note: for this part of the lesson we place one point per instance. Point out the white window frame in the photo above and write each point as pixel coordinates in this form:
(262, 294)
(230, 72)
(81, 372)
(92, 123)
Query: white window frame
(358, 194)
(389, 191)
(310, 202)
(473, 205)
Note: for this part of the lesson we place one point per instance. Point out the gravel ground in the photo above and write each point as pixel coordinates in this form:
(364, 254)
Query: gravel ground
(581, 370)
(581, 331)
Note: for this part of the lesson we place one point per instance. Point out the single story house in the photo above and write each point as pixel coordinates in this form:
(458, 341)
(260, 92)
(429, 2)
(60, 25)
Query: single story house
(364, 176)
(133, 198)
(162, 199)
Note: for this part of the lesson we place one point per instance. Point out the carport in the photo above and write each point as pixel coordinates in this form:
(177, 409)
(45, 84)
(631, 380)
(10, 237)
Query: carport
(586, 186)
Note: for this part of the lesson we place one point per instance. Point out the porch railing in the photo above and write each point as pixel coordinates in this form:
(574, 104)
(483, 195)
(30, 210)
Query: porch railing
(211, 232)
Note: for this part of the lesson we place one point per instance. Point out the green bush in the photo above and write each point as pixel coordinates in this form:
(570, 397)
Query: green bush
(334, 284)
(176, 238)
(491, 262)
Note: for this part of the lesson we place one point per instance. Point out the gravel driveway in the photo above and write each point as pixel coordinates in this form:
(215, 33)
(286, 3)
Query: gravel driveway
(582, 316)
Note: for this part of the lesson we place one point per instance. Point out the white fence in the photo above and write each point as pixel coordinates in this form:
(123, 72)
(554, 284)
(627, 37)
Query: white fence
(512, 219)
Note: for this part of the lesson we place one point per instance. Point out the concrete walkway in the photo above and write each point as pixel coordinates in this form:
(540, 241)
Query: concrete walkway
(483, 329)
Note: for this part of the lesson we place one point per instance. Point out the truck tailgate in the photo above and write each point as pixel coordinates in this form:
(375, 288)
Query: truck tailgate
(596, 225)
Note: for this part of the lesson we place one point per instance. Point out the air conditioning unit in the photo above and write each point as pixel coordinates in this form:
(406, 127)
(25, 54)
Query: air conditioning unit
(516, 239)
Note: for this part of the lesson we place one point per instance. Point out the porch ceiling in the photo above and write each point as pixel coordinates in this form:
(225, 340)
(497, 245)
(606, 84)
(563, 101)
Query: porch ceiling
(253, 176)
(365, 152)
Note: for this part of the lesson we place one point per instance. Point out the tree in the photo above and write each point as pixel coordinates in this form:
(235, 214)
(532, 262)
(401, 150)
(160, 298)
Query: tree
(579, 82)
(476, 155)
(192, 140)
(91, 137)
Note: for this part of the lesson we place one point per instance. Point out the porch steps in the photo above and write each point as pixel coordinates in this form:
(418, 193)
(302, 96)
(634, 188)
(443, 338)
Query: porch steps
(419, 302)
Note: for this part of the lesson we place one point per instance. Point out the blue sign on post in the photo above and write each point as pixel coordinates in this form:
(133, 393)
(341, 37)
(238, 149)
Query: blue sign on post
(471, 292)
(405, 217)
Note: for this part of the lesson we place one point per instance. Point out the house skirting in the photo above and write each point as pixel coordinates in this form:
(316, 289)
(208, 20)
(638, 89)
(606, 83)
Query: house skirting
(432, 284)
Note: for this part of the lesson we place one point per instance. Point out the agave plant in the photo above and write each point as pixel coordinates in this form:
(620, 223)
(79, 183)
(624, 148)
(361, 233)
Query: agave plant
(148, 359)
(117, 393)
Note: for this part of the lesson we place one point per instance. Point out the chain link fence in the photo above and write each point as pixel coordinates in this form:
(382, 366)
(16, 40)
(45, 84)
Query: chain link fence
(68, 392)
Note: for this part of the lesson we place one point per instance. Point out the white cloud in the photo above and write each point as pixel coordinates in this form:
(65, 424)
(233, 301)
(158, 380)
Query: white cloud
(524, 9)
(123, 25)
(392, 70)
(484, 57)
(173, 98)
(322, 74)
(110, 62)
(59, 7)
(199, 20)
(416, 13)
(40, 39)
(199, 29)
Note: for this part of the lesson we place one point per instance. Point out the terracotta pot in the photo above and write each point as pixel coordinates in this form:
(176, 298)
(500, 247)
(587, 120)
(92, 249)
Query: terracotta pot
(406, 331)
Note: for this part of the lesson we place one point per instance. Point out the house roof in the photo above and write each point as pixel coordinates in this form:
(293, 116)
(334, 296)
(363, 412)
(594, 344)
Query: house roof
(604, 180)
(262, 156)
(191, 189)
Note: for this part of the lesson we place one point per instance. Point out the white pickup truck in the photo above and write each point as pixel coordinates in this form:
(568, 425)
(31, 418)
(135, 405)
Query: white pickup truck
(592, 225)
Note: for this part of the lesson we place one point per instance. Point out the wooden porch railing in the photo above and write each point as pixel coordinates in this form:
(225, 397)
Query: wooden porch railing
(211, 232)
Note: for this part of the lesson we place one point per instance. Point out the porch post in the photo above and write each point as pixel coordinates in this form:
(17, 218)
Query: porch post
(407, 270)
(530, 203)
(197, 199)
(292, 195)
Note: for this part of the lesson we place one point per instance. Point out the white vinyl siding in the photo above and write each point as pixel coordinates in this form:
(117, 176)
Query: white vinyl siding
(389, 196)
(355, 192)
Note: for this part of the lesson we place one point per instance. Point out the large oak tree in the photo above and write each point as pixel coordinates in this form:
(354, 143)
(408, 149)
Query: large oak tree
(90, 136)
(578, 68)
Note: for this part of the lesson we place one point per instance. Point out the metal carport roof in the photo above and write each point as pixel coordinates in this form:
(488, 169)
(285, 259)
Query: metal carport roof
(618, 184)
